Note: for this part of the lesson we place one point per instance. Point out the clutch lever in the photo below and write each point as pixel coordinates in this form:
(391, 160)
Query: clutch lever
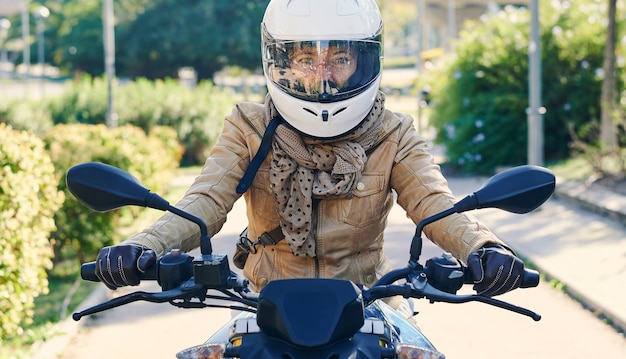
(186, 291)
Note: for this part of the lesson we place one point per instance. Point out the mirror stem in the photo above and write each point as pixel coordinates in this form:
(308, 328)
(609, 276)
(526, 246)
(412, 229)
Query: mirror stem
(205, 240)
(416, 243)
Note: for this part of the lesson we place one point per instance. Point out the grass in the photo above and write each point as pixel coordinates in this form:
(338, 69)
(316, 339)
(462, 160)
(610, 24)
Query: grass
(572, 169)
(66, 292)
(50, 308)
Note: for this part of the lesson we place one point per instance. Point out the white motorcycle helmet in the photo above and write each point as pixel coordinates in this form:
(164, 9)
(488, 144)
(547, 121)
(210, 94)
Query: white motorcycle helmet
(322, 61)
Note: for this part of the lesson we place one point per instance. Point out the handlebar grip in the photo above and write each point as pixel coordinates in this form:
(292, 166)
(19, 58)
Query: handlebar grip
(530, 279)
(88, 272)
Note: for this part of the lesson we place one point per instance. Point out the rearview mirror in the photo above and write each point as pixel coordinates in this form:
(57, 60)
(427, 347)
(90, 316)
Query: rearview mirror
(518, 190)
(102, 187)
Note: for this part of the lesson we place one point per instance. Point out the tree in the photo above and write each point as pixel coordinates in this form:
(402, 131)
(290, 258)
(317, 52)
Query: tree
(79, 46)
(154, 38)
(205, 35)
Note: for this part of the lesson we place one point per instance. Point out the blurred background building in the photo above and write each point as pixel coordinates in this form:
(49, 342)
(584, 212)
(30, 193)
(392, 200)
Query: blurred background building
(439, 21)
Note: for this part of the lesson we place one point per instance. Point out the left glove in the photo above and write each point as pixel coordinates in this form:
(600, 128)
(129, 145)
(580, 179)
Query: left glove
(495, 270)
(119, 266)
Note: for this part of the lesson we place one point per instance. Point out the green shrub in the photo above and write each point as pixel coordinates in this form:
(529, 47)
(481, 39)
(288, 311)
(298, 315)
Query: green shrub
(196, 114)
(28, 201)
(151, 158)
(480, 94)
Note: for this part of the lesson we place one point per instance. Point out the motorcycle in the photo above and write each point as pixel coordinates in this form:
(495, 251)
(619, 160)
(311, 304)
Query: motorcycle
(308, 317)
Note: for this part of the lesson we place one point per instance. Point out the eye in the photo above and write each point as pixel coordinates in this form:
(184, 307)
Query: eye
(343, 60)
(340, 61)
(304, 61)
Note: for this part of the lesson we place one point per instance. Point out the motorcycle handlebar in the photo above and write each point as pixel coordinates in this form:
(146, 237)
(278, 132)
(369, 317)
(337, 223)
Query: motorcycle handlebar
(88, 272)
(530, 279)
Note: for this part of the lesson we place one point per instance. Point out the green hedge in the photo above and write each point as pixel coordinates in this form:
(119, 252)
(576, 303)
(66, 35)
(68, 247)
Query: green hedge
(480, 93)
(197, 114)
(28, 200)
(151, 158)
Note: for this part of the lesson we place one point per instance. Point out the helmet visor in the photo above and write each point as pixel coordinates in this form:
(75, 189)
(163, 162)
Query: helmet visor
(323, 70)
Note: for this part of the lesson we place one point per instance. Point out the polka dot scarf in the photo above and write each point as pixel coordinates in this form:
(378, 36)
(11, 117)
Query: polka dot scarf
(304, 168)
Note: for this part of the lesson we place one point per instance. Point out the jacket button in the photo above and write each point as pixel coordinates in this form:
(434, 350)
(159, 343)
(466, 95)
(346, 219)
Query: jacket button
(262, 282)
(360, 186)
(369, 279)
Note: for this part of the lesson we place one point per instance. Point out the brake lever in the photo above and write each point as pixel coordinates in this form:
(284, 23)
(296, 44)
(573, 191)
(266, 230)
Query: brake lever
(185, 292)
(423, 289)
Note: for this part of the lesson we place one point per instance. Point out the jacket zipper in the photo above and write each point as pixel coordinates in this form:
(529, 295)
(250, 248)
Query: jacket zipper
(314, 224)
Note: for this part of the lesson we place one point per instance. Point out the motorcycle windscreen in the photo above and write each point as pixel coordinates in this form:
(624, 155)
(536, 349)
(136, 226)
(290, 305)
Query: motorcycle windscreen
(310, 313)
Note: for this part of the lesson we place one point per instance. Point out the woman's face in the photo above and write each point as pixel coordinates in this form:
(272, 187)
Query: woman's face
(331, 66)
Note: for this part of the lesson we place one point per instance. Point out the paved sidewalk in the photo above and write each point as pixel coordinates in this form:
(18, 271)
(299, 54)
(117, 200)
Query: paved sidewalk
(579, 239)
(595, 199)
(602, 285)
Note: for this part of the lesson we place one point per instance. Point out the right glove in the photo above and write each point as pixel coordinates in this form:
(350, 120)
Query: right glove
(119, 266)
(495, 270)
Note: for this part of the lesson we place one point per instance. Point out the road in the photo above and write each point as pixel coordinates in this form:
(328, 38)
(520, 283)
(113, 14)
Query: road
(471, 330)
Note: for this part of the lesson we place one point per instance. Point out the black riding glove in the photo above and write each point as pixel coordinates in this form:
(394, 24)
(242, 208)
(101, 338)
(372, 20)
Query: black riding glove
(495, 270)
(118, 266)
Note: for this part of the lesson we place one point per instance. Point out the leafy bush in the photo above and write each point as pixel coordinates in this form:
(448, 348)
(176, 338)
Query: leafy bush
(151, 159)
(196, 114)
(28, 201)
(480, 94)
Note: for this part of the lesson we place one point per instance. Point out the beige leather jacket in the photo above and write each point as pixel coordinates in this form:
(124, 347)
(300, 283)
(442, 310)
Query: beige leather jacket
(348, 232)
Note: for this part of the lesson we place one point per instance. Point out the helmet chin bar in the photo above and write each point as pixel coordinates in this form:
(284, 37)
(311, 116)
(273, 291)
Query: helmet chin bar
(326, 138)
(324, 114)
(324, 121)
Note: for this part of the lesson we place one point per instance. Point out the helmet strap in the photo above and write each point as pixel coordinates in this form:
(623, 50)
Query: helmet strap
(264, 149)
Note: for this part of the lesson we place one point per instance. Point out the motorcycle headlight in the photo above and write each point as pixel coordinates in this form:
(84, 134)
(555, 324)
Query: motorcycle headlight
(204, 351)
(406, 351)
